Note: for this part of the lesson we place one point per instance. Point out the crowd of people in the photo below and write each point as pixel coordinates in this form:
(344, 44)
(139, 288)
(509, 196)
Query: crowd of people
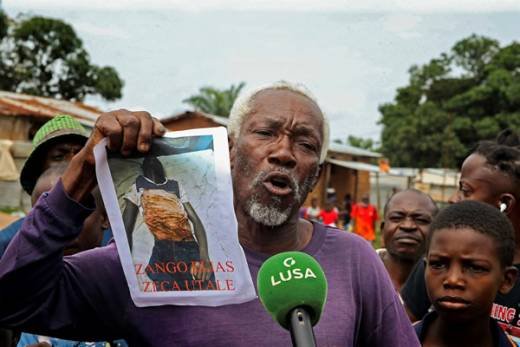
(360, 218)
(453, 272)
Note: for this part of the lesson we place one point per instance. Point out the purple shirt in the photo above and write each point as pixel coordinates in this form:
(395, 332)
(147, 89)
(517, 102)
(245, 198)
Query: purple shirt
(85, 296)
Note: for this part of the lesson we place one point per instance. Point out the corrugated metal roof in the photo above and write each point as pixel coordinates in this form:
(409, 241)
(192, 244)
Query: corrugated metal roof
(14, 104)
(356, 165)
(346, 149)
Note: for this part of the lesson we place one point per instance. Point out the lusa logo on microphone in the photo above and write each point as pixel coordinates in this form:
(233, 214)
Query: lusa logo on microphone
(291, 273)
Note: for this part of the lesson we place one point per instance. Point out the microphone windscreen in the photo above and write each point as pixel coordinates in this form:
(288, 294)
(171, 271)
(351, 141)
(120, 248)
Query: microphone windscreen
(289, 280)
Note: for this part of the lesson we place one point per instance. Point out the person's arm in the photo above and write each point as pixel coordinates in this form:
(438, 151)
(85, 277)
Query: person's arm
(72, 297)
(203, 271)
(44, 292)
(126, 132)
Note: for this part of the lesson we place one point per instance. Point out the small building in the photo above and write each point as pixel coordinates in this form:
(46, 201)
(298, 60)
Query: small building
(439, 183)
(193, 120)
(21, 116)
(346, 171)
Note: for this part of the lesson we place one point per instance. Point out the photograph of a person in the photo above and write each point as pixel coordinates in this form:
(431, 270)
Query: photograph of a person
(166, 236)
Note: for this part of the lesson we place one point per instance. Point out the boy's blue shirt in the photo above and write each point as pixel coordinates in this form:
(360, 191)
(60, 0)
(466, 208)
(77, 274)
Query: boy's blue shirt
(500, 337)
(8, 233)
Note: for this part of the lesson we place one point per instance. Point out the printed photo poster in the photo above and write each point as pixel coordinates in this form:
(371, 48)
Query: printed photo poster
(171, 213)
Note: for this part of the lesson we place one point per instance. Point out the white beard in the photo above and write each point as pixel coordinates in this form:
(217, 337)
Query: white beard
(273, 214)
(267, 215)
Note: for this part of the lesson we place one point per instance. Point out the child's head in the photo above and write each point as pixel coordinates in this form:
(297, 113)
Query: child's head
(491, 174)
(470, 249)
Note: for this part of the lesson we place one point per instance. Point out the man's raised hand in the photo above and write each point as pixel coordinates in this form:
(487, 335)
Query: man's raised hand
(125, 130)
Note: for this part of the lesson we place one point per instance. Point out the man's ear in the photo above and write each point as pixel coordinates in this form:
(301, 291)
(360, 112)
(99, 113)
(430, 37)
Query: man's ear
(317, 175)
(231, 146)
(510, 274)
(509, 200)
(382, 225)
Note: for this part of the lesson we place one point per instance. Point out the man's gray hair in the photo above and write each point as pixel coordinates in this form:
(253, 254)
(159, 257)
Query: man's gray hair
(242, 107)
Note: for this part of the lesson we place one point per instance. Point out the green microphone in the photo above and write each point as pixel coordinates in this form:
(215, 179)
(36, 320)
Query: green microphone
(293, 289)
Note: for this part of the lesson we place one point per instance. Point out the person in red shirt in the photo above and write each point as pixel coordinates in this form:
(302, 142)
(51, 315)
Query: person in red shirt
(329, 215)
(364, 217)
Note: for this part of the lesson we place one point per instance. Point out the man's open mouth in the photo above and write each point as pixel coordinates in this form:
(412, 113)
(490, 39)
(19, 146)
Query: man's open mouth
(278, 183)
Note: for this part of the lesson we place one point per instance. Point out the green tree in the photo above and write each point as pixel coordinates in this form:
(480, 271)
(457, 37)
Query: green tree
(44, 57)
(452, 102)
(215, 101)
(361, 142)
(3, 24)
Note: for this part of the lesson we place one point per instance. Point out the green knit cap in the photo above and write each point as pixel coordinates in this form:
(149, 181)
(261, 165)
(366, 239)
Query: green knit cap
(61, 128)
(59, 124)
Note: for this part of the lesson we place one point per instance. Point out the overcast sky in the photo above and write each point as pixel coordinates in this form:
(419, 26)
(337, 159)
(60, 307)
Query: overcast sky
(351, 54)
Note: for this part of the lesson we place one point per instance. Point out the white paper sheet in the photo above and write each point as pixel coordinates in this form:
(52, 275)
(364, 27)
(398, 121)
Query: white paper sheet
(167, 246)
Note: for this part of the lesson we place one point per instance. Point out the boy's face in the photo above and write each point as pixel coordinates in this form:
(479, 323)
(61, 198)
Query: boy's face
(464, 274)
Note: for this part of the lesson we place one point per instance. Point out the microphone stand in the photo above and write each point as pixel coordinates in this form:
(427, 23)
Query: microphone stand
(302, 334)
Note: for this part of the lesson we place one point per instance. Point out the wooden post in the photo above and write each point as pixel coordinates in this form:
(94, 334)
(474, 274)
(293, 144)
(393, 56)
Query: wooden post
(378, 193)
(326, 183)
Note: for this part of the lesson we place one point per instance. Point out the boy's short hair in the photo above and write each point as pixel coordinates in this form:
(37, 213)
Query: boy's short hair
(482, 218)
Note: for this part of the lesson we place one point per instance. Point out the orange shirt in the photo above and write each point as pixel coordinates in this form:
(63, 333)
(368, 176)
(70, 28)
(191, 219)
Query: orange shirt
(364, 218)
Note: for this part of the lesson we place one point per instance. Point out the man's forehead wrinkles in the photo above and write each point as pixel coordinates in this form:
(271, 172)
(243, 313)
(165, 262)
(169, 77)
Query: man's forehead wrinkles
(275, 120)
(308, 108)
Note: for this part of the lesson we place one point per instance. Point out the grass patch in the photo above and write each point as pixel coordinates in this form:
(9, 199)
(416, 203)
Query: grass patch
(11, 210)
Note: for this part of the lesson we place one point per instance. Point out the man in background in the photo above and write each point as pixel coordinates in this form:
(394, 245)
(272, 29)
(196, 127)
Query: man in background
(407, 218)
(57, 141)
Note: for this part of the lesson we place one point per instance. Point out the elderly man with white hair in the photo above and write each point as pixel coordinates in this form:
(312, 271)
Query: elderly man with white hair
(278, 138)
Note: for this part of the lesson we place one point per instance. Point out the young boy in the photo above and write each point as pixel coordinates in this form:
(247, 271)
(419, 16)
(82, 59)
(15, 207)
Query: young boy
(468, 261)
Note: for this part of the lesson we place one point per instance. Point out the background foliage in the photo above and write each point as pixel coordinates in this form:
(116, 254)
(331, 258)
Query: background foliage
(45, 57)
(215, 101)
(465, 95)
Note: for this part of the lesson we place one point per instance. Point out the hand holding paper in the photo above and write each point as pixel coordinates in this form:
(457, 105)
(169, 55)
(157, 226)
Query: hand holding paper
(171, 213)
(125, 131)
